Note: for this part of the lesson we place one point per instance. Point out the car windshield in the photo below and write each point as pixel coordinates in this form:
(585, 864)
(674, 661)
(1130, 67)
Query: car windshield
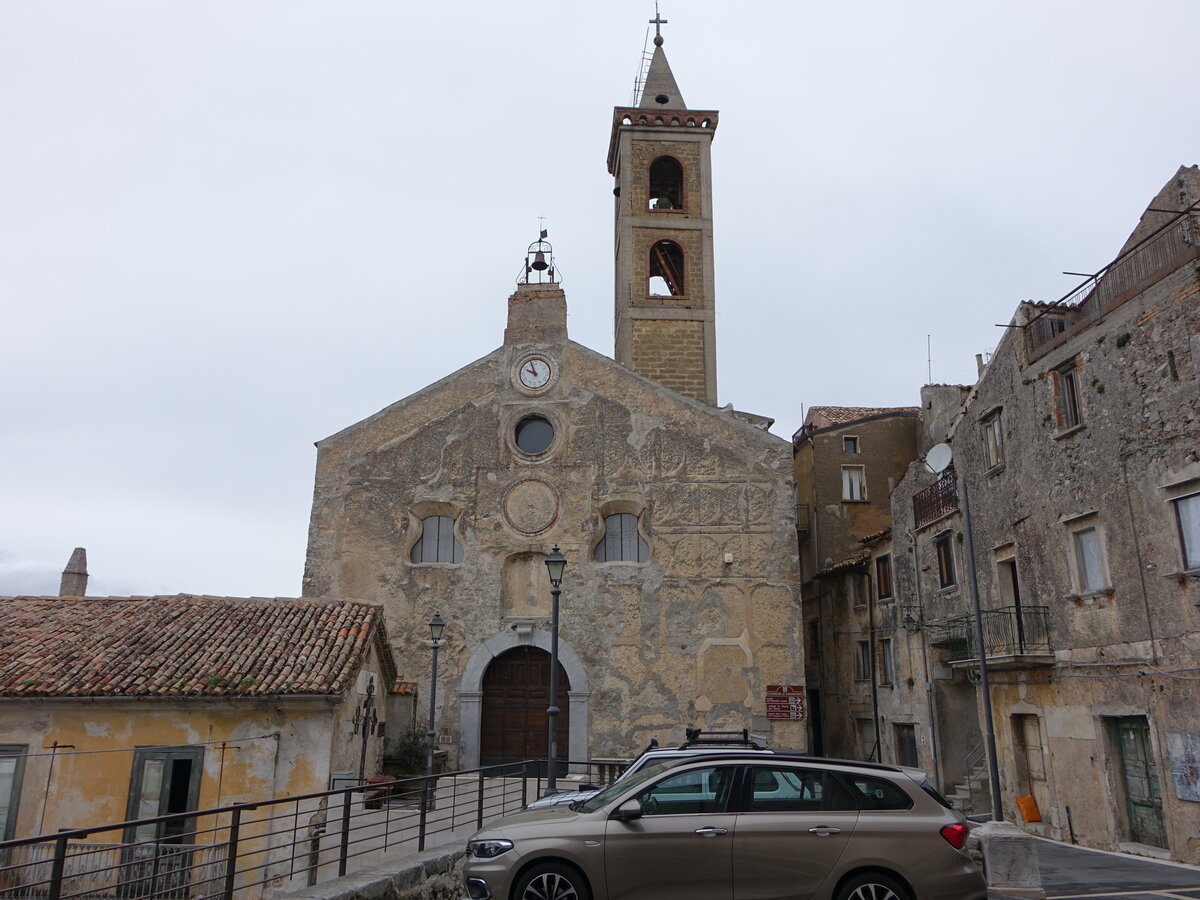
(620, 786)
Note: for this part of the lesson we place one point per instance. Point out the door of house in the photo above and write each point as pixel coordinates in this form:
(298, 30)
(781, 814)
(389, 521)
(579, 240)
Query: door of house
(1139, 771)
(157, 859)
(516, 692)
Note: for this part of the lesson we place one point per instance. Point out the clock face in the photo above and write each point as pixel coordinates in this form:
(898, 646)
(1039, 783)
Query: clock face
(535, 372)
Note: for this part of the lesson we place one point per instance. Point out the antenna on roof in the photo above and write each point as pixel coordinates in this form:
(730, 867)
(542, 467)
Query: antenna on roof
(639, 80)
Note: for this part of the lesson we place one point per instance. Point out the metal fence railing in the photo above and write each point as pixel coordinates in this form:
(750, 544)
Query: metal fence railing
(246, 850)
(1007, 631)
(938, 500)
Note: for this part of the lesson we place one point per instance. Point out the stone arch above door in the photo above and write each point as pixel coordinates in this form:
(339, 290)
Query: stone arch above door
(470, 690)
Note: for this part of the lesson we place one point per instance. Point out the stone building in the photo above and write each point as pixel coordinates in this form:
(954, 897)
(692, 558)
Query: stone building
(1079, 449)
(676, 517)
(847, 461)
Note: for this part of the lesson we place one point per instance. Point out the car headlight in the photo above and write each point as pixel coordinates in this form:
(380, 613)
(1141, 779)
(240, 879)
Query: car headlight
(489, 849)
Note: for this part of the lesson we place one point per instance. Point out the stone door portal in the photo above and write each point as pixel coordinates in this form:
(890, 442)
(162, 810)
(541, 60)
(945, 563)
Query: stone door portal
(516, 692)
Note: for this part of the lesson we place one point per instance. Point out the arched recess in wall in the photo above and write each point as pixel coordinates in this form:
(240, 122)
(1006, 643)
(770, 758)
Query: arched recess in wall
(666, 270)
(470, 690)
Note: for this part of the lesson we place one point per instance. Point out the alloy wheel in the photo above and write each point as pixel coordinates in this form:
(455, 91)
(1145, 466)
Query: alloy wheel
(550, 886)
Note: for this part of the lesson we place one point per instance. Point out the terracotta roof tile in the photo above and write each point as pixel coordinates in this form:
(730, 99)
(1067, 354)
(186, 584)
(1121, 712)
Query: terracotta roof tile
(841, 415)
(181, 645)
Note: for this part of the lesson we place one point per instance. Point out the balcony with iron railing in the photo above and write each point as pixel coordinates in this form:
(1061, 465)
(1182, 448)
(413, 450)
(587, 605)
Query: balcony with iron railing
(1014, 637)
(937, 501)
(1137, 269)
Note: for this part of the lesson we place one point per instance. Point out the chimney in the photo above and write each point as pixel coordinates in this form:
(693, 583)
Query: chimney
(537, 314)
(75, 576)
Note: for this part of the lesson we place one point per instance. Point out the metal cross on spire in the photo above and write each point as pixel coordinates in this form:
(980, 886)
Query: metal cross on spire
(658, 21)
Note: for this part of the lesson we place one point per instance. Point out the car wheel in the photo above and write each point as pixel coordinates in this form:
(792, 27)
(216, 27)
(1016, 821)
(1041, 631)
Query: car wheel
(872, 886)
(552, 882)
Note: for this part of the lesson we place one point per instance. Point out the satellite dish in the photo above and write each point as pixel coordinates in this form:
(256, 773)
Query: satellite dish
(938, 458)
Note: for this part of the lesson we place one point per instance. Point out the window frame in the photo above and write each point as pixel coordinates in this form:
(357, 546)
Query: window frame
(1079, 563)
(676, 267)
(851, 444)
(643, 546)
(862, 661)
(1189, 553)
(946, 568)
(18, 753)
(456, 551)
(887, 662)
(993, 440)
(848, 484)
(1069, 405)
(883, 575)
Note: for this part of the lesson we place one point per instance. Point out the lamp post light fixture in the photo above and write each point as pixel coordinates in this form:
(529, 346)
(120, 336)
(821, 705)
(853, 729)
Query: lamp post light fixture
(555, 564)
(436, 627)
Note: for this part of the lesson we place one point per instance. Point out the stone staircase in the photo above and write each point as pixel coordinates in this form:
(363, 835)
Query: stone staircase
(972, 792)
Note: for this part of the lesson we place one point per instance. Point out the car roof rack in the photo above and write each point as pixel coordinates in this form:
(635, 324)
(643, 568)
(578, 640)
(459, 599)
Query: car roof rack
(699, 738)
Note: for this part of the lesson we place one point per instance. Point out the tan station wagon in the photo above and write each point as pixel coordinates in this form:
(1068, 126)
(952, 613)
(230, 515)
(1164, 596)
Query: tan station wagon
(735, 826)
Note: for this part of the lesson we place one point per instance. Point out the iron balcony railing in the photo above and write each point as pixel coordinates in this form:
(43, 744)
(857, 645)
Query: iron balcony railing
(1007, 631)
(250, 850)
(1140, 266)
(938, 500)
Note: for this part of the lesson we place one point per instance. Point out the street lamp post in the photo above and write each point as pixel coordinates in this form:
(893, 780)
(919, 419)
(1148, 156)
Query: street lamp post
(555, 564)
(937, 460)
(436, 626)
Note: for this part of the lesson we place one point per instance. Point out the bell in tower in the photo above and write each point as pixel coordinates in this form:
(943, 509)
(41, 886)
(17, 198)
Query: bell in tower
(660, 157)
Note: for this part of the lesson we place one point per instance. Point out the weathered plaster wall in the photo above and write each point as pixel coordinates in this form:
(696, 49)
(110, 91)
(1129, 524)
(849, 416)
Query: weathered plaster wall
(681, 639)
(273, 750)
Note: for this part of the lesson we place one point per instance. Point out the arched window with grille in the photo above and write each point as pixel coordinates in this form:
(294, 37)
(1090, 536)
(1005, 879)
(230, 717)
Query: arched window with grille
(666, 270)
(621, 541)
(437, 543)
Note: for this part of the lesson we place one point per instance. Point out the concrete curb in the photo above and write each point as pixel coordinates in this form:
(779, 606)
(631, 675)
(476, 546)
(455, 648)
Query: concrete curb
(432, 875)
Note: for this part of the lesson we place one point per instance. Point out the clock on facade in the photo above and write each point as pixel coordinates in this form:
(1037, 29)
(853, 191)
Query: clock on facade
(535, 372)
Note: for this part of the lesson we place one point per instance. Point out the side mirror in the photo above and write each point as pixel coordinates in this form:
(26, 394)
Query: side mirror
(630, 809)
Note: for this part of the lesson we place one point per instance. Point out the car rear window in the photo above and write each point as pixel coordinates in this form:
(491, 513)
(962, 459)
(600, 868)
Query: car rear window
(933, 792)
(877, 793)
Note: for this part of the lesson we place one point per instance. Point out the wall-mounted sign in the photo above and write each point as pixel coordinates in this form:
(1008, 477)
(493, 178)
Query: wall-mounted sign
(785, 701)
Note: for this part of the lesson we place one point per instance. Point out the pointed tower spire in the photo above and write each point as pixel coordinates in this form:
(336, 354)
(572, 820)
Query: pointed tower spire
(660, 89)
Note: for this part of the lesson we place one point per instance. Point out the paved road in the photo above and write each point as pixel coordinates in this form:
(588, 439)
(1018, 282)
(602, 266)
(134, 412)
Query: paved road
(1075, 873)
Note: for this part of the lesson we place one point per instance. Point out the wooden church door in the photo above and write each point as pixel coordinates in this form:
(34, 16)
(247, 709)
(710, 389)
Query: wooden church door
(516, 692)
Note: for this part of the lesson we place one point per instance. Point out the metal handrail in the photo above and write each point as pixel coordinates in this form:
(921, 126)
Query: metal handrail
(1007, 631)
(238, 850)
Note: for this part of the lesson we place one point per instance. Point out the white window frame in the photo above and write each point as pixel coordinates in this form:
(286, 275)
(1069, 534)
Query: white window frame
(851, 485)
(851, 444)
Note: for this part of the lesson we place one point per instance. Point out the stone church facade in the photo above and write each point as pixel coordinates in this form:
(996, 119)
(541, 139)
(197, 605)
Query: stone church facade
(679, 605)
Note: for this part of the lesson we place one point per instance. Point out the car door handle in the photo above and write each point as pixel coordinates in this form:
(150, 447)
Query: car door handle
(711, 832)
(824, 830)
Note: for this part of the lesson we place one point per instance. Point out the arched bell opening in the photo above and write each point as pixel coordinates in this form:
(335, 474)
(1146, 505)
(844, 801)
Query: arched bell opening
(666, 270)
(666, 184)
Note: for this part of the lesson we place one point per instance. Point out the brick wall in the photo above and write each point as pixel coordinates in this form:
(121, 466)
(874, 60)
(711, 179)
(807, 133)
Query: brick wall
(671, 353)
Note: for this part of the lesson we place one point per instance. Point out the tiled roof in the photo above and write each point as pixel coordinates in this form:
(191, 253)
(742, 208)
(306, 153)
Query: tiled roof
(841, 415)
(867, 539)
(182, 646)
(853, 562)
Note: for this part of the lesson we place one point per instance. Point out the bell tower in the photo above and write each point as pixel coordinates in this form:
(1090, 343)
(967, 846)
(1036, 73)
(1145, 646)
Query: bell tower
(660, 156)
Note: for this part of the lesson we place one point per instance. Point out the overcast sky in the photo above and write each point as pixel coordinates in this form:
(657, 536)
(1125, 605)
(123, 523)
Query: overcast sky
(230, 229)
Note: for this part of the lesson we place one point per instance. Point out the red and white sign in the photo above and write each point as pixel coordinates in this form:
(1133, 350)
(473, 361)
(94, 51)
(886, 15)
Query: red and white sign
(785, 701)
